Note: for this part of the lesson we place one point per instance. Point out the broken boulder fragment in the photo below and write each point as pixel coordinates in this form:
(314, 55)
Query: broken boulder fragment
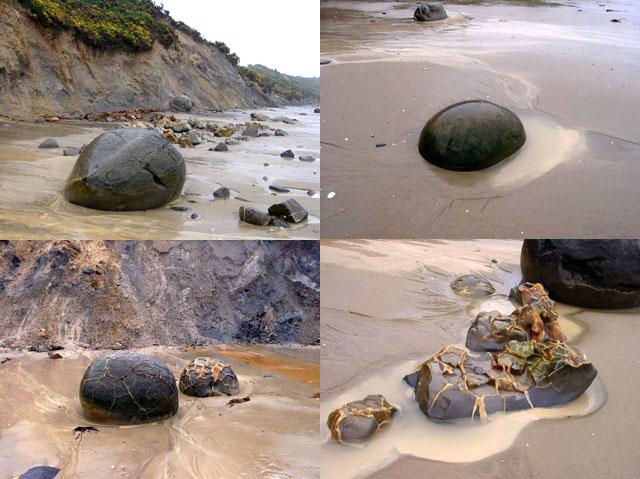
(254, 216)
(290, 211)
(206, 376)
(358, 420)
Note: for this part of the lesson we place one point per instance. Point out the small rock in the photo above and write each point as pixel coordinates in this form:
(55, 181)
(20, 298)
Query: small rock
(358, 420)
(472, 286)
(288, 154)
(254, 216)
(279, 189)
(311, 193)
(278, 223)
(429, 12)
(280, 132)
(380, 145)
(307, 158)
(181, 126)
(40, 472)
(325, 61)
(49, 143)
(264, 134)
(222, 193)
(251, 131)
(72, 151)
(221, 147)
(180, 208)
(316, 110)
(195, 216)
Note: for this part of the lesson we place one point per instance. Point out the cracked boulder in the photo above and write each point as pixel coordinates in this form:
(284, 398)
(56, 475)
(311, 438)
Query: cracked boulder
(204, 377)
(358, 420)
(126, 170)
(456, 383)
(587, 273)
(128, 388)
(429, 12)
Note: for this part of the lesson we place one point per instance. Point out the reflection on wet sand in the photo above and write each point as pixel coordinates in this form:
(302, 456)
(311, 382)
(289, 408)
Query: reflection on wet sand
(275, 434)
(32, 179)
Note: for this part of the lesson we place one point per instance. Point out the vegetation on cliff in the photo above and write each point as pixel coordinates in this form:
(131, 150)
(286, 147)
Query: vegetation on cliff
(131, 24)
(291, 88)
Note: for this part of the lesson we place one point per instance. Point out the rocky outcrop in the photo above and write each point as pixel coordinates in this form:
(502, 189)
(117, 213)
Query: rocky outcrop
(139, 293)
(48, 71)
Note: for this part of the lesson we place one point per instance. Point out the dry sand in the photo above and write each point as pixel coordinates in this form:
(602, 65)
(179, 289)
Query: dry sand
(31, 182)
(388, 302)
(274, 435)
(570, 74)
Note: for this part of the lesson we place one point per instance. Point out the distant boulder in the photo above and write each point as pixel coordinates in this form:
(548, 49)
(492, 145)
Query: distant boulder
(429, 12)
(181, 103)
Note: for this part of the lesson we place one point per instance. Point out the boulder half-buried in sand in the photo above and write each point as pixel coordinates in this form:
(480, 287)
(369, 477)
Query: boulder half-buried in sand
(126, 170)
(429, 12)
(358, 420)
(471, 135)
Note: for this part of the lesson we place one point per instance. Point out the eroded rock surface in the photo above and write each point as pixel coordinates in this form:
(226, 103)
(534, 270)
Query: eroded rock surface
(204, 377)
(358, 420)
(126, 388)
(429, 12)
(472, 286)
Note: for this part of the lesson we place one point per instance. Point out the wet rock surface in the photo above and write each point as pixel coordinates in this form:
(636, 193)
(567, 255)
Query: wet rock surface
(429, 12)
(128, 388)
(206, 376)
(587, 273)
(254, 216)
(222, 193)
(358, 420)
(126, 170)
(512, 362)
(470, 136)
(472, 286)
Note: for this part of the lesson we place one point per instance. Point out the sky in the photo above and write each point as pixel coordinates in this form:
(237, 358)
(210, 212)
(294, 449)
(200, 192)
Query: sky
(280, 34)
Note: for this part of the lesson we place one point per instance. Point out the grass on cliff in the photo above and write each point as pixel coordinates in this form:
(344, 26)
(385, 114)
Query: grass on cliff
(272, 82)
(133, 24)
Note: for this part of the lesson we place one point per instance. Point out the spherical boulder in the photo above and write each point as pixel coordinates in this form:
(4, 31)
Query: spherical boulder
(128, 388)
(429, 12)
(470, 136)
(49, 143)
(126, 170)
(204, 377)
(587, 273)
(181, 103)
(358, 420)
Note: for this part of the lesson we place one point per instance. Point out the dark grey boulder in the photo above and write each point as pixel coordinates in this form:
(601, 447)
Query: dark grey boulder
(222, 193)
(288, 154)
(126, 388)
(429, 12)
(587, 273)
(49, 143)
(221, 147)
(251, 131)
(470, 136)
(264, 134)
(280, 132)
(472, 286)
(316, 110)
(325, 61)
(126, 170)
(71, 151)
(307, 158)
(40, 472)
(181, 103)
(254, 216)
(356, 421)
(290, 211)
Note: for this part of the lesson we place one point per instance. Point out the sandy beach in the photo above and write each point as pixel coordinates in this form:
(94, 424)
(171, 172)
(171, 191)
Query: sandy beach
(564, 68)
(275, 434)
(31, 182)
(387, 305)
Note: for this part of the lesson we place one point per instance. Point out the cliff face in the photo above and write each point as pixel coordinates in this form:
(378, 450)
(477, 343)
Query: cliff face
(137, 293)
(50, 71)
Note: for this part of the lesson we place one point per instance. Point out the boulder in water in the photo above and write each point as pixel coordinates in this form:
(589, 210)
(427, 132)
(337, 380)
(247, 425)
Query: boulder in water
(289, 210)
(358, 420)
(254, 216)
(429, 12)
(128, 388)
(126, 170)
(587, 273)
(470, 136)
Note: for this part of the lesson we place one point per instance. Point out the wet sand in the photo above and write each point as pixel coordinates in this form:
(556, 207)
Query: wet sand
(566, 70)
(386, 305)
(31, 182)
(274, 435)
